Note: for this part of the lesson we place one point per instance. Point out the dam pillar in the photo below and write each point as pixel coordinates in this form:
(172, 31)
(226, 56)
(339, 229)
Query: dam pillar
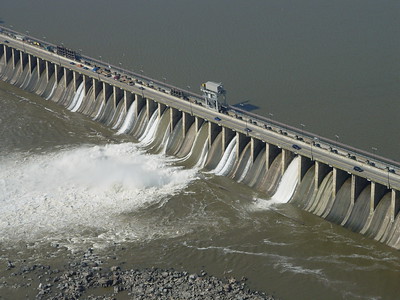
(140, 103)
(175, 116)
(199, 122)
(304, 165)
(241, 142)
(271, 152)
(357, 185)
(21, 59)
(40, 66)
(97, 88)
(377, 193)
(187, 121)
(87, 83)
(107, 91)
(67, 76)
(128, 100)
(77, 79)
(15, 57)
(256, 146)
(32, 63)
(213, 131)
(321, 170)
(49, 70)
(7, 54)
(151, 106)
(58, 72)
(118, 95)
(287, 157)
(227, 135)
(161, 108)
(394, 205)
(24, 60)
(339, 177)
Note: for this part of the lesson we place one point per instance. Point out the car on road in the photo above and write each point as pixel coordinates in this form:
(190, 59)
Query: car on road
(247, 129)
(5, 41)
(85, 68)
(297, 147)
(141, 88)
(358, 169)
(391, 170)
(71, 63)
(217, 119)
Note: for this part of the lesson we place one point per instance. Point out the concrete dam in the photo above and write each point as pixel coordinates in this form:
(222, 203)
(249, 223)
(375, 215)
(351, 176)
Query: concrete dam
(343, 185)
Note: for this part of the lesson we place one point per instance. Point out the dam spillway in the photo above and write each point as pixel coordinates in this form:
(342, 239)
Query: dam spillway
(235, 146)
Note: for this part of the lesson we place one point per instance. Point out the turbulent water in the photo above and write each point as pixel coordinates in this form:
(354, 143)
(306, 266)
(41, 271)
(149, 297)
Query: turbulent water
(77, 174)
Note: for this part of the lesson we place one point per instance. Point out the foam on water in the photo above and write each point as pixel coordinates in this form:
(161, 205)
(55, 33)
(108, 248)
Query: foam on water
(285, 189)
(88, 188)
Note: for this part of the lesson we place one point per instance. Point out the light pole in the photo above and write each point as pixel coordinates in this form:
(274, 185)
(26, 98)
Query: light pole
(374, 149)
(302, 129)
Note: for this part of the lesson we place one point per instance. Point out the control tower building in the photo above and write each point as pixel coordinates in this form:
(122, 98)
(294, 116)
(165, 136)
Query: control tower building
(214, 94)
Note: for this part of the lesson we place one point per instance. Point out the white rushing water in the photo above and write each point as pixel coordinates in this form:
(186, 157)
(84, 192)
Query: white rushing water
(77, 100)
(148, 135)
(227, 160)
(52, 91)
(246, 170)
(119, 121)
(99, 111)
(285, 189)
(129, 119)
(66, 193)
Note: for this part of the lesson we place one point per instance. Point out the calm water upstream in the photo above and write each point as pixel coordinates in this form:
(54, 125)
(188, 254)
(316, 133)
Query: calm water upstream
(64, 179)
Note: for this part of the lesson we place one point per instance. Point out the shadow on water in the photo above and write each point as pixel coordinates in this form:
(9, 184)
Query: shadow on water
(245, 105)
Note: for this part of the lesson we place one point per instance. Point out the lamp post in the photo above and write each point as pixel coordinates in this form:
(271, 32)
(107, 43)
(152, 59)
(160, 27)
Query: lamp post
(374, 149)
(302, 129)
(337, 138)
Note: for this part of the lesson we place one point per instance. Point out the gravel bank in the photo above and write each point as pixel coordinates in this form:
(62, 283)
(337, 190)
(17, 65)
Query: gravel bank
(87, 278)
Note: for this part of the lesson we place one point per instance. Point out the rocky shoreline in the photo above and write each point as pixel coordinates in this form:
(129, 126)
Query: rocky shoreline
(87, 278)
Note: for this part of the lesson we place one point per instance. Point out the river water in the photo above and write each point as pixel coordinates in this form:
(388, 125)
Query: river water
(67, 180)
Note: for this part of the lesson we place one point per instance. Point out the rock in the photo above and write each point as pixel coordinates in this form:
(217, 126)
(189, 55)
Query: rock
(115, 268)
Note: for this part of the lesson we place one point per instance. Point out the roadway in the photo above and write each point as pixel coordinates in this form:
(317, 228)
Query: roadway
(273, 135)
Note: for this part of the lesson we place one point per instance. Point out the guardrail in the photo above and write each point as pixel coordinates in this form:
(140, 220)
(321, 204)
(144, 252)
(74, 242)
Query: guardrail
(262, 121)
